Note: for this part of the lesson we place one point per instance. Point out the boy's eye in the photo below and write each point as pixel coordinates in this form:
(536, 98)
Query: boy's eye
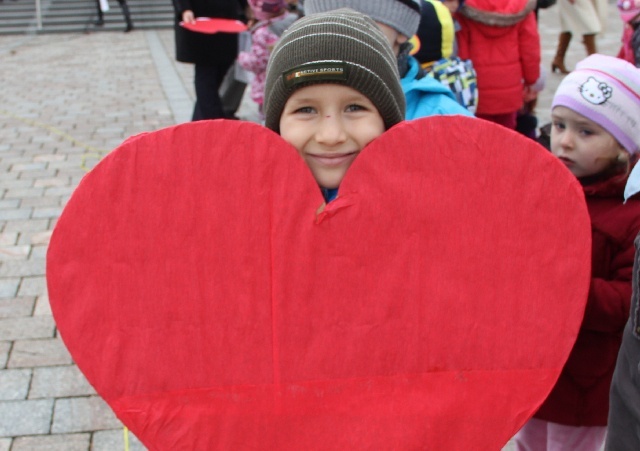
(305, 110)
(586, 132)
(355, 107)
(559, 125)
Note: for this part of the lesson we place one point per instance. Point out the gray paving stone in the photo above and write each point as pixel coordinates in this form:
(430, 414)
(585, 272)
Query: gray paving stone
(26, 328)
(5, 175)
(33, 286)
(82, 414)
(32, 176)
(9, 203)
(18, 193)
(25, 417)
(39, 237)
(9, 287)
(53, 212)
(42, 306)
(5, 444)
(32, 225)
(40, 252)
(8, 238)
(5, 346)
(38, 353)
(23, 268)
(114, 440)
(28, 167)
(20, 252)
(59, 191)
(17, 183)
(50, 182)
(49, 201)
(8, 215)
(14, 384)
(49, 157)
(59, 382)
(56, 442)
(16, 307)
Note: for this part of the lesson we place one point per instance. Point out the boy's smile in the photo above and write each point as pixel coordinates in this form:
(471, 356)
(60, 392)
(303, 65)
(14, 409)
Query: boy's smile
(329, 124)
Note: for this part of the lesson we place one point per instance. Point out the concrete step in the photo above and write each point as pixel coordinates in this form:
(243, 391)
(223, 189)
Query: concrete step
(69, 16)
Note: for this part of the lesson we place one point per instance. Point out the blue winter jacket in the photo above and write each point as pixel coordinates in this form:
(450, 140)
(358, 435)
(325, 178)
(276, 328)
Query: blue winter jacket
(427, 96)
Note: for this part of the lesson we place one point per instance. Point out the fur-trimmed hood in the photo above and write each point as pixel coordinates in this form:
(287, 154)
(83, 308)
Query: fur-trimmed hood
(497, 13)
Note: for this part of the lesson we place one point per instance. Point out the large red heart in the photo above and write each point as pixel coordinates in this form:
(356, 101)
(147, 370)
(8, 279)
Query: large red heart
(431, 306)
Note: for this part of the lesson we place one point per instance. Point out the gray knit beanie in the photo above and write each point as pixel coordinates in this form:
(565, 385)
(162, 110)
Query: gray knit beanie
(401, 15)
(343, 47)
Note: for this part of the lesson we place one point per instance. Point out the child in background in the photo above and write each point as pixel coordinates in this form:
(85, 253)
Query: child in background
(630, 15)
(273, 17)
(434, 48)
(452, 5)
(527, 122)
(399, 20)
(330, 100)
(595, 133)
(501, 38)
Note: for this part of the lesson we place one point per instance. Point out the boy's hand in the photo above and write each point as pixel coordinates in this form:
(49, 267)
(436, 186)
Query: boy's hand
(188, 16)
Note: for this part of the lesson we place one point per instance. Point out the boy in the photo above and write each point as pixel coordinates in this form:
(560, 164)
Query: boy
(335, 96)
(399, 20)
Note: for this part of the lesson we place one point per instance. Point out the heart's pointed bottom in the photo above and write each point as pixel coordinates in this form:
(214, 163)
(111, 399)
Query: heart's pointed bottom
(399, 412)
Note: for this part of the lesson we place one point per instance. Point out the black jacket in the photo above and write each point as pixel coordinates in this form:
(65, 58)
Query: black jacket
(623, 431)
(219, 48)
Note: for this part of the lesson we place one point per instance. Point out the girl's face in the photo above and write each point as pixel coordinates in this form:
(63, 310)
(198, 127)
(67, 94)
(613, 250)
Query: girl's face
(329, 124)
(582, 145)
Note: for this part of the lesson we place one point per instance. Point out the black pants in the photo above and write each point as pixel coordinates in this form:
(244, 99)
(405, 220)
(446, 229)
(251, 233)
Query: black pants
(125, 12)
(207, 83)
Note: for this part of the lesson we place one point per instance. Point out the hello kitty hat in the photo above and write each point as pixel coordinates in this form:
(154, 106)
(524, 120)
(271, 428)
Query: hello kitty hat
(606, 90)
(628, 9)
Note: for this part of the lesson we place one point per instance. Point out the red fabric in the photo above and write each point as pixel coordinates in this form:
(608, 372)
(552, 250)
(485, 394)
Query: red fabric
(212, 307)
(581, 397)
(207, 25)
(508, 120)
(502, 56)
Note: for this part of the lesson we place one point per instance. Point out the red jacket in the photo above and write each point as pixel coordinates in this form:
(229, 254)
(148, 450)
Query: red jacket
(501, 38)
(581, 395)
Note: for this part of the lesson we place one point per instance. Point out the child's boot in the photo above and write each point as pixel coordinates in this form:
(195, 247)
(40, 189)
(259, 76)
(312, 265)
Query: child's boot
(558, 61)
(589, 41)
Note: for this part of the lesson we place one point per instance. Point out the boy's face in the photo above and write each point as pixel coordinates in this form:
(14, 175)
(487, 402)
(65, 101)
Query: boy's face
(452, 5)
(329, 124)
(395, 39)
(582, 145)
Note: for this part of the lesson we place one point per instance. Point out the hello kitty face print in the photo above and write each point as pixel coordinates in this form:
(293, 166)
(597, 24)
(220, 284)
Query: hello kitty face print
(596, 92)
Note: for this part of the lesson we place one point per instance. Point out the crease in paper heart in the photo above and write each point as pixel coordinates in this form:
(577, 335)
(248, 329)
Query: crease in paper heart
(432, 306)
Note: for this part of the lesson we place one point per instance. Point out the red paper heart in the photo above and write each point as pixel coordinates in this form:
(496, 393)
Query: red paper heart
(208, 25)
(431, 306)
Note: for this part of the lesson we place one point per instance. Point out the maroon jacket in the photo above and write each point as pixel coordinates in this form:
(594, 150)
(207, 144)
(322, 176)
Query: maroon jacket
(581, 395)
(501, 38)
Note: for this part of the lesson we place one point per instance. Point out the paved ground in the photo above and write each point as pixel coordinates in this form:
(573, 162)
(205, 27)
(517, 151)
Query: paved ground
(66, 100)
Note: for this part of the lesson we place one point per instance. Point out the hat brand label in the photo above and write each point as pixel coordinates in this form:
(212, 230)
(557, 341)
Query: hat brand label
(316, 72)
